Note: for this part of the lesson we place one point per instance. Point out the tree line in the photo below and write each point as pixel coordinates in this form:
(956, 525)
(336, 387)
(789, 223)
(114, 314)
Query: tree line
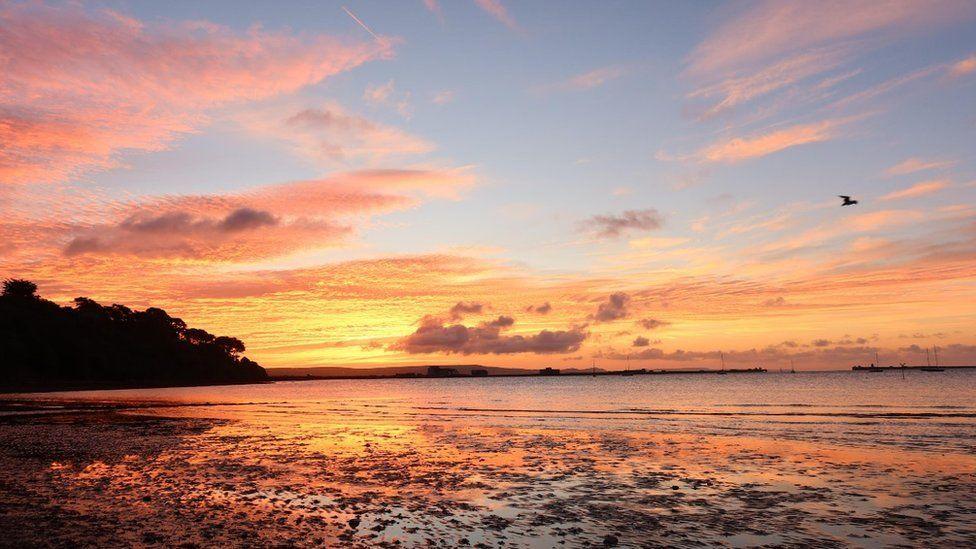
(47, 346)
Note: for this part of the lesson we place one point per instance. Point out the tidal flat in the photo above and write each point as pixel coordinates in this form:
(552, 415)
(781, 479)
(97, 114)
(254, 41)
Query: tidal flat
(266, 474)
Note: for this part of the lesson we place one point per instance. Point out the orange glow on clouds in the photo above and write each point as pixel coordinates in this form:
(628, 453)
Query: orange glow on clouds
(328, 267)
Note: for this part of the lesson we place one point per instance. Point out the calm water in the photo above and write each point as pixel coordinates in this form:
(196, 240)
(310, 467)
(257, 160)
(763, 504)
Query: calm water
(836, 459)
(922, 410)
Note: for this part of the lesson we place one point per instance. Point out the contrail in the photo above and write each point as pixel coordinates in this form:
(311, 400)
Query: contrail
(361, 24)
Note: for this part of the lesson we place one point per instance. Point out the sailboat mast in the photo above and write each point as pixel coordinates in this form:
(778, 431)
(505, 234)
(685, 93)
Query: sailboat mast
(928, 362)
(936, 356)
(722, 356)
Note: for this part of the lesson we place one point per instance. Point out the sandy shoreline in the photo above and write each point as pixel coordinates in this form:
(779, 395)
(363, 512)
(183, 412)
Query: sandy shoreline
(196, 476)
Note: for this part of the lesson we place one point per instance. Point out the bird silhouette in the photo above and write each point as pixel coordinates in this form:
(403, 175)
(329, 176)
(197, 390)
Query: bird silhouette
(847, 200)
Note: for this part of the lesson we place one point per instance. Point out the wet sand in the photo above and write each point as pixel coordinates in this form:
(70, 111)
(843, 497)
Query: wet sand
(201, 476)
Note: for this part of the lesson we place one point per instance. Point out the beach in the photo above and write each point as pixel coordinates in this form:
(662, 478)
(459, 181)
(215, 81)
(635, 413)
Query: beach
(415, 463)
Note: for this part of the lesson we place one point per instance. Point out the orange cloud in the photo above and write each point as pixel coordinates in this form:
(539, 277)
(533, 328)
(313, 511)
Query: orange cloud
(874, 221)
(822, 234)
(298, 316)
(914, 164)
(917, 190)
(738, 149)
(78, 86)
(966, 66)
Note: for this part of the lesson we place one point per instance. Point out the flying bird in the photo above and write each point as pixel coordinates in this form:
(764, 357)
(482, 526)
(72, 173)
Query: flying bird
(847, 200)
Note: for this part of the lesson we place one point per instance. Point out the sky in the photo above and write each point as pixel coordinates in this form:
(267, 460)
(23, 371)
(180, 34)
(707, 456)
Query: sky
(527, 184)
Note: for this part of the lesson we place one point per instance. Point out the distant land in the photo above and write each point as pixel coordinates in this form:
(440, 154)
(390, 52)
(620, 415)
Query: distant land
(388, 371)
(471, 370)
(47, 347)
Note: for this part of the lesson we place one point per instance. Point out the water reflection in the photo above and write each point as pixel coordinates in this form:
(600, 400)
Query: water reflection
(449, 465)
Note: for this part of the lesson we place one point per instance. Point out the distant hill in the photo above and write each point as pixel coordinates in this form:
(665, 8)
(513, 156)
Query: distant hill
(384, 371)
(44, 346)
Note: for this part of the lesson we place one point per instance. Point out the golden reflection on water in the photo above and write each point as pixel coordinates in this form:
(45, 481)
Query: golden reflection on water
(384, 468)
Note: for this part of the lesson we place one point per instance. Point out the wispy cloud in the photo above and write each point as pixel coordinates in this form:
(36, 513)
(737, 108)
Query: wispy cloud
(583, 81)
(964, 67)
(333, 137)
(443, 97)
(435, 7)
(917, 190)
(387, 95)
(264, 222)
(595, 77)
(770, 29)
(733, 91)
(82, 85)
(915, 164)
(737, 149)
(498, 10)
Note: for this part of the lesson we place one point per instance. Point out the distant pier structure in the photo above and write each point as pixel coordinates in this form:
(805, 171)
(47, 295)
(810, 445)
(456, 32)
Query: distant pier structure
(549, 372)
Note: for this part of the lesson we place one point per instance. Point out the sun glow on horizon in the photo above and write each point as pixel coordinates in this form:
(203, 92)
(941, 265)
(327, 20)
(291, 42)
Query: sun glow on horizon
(558, 195)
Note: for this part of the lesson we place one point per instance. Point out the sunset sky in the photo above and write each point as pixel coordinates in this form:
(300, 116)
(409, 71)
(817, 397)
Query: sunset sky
(507, 183)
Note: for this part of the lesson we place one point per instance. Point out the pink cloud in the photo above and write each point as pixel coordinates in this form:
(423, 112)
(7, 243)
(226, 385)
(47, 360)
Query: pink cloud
(917, 190)
(595, 77)
(733, 91)
(498, 10)
(770, 29)
(78, 86)
(333, 137)
(269, 221)
(583, 81)
(435, 7)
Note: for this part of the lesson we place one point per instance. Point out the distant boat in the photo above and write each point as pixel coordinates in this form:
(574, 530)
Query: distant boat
(872, 368)
(792, 369)
(931, 368)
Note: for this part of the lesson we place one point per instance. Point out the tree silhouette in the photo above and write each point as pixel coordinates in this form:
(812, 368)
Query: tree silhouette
(44, 345)
(14, 287)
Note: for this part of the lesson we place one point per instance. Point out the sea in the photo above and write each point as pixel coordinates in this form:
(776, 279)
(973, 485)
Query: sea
(912, 409)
